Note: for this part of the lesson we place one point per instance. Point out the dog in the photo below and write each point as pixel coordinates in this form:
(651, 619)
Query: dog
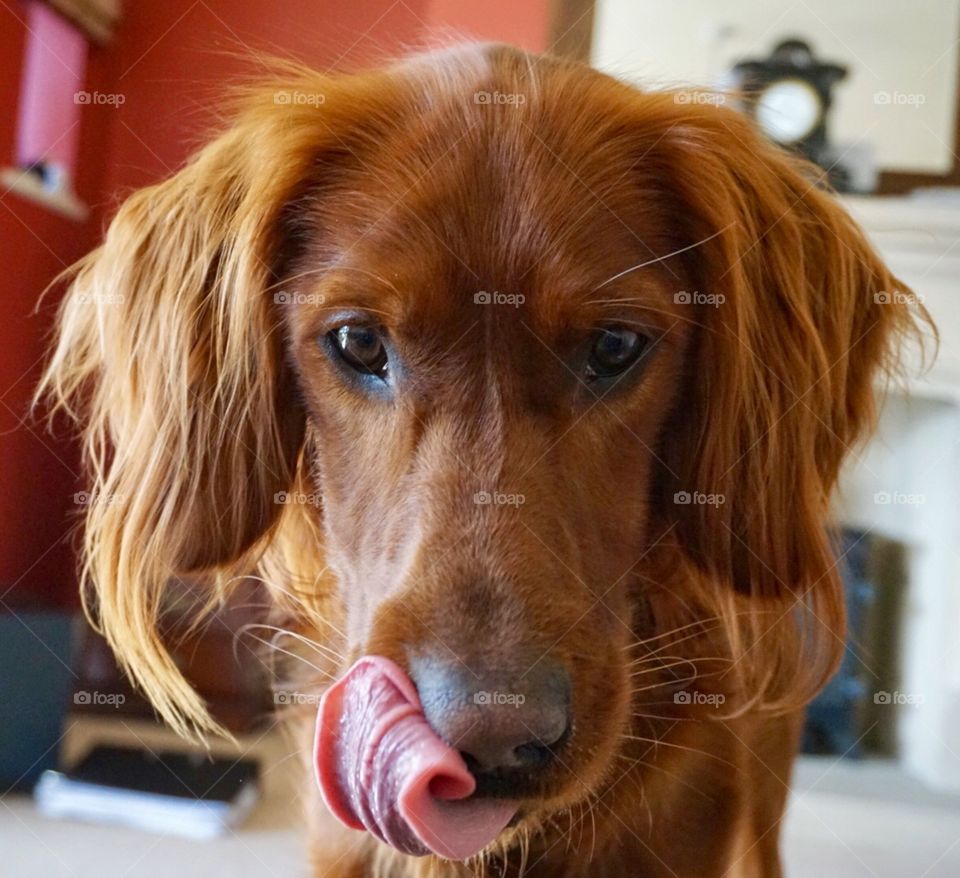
(531, 384)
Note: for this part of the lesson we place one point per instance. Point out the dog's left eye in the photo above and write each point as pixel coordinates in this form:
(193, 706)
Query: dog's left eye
(614, 351)
(362, 348)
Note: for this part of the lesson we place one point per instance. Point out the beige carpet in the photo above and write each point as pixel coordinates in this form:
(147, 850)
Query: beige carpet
(846, 820)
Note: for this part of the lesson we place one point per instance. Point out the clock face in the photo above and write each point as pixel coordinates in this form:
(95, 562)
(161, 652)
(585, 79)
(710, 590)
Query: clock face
(788, 110)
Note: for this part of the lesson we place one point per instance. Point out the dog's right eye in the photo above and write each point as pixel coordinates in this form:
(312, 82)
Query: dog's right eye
(614, 351)
(362, 348)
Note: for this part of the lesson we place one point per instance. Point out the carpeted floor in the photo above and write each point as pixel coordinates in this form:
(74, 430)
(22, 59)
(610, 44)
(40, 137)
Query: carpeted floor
(846, 820)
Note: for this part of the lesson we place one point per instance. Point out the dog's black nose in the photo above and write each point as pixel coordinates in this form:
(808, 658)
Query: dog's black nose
(498, 721)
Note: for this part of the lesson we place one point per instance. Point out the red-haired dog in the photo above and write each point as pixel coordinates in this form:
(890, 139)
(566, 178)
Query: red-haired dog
(564, 372)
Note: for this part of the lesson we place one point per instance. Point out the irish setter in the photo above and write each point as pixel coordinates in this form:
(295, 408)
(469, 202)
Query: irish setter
(524, 391)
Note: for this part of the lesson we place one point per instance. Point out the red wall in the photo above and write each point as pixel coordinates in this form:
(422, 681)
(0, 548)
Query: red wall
(169, 61)
(37, 471)
(171, 87)
(524, 23)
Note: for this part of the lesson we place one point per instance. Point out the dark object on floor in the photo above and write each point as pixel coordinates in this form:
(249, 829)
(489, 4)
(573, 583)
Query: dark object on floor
(181, 793)
(35, 680)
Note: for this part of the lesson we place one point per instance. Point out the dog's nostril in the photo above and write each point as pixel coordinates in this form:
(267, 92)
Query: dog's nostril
(529, 756)
(498, 740)
(500, 722)
(541, 752)
(533, 755)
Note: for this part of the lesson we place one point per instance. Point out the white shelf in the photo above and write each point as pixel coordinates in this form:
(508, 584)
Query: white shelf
(27, 186)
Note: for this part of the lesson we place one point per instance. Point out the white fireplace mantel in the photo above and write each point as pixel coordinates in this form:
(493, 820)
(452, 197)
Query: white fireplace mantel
(920, 240)
(905, 484)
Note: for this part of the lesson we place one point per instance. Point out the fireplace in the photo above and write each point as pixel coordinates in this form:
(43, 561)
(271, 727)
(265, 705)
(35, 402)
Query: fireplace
(903, 490)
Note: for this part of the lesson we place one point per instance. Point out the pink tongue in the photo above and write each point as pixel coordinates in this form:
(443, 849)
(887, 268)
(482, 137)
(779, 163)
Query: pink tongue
(382, 768)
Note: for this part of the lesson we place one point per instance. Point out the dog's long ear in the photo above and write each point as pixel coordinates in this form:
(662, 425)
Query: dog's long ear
(170, 354)
(805, 319)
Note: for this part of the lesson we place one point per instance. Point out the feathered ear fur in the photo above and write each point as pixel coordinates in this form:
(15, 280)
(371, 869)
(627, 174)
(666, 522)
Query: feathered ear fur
(804, 320)
(170, 354)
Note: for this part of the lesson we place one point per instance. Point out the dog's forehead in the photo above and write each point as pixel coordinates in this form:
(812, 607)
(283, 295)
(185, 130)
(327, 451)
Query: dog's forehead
(490, 174)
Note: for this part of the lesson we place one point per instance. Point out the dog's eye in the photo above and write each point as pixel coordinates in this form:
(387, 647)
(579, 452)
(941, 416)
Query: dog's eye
(614, 351)
(361, 348)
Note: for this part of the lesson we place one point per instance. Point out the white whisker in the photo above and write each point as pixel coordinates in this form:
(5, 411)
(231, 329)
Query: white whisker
(662, 258)
(293, 655)
(326, 651)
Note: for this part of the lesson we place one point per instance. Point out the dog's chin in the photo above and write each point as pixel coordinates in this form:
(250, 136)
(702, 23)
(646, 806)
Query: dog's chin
(540, 818)
(579, 779)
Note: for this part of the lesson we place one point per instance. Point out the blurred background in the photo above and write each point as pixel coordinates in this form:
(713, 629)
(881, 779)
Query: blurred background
(99, 97)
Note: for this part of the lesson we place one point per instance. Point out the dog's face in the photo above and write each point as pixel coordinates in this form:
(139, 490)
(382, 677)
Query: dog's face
(488, 391)
(565, 363)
